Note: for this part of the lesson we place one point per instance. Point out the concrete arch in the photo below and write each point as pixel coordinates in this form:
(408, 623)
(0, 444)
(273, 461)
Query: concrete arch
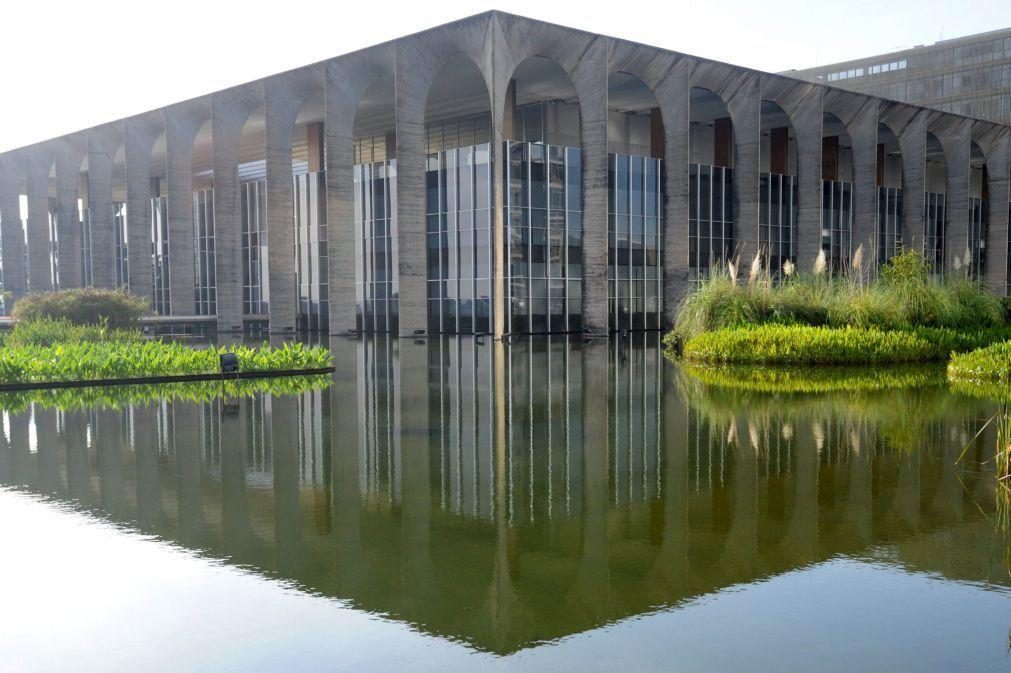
(994, 142)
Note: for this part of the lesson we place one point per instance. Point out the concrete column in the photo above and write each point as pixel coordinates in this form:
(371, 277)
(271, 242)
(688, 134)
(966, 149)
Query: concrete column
(591, 85)
(68, 172)
(103, 241)
(140, 135)
(180, 129)
(957, 144)
(997, 162)
(229, 112)
(14, 280)
(913, 144)
(807, 118)
(745, 106)
(673, 94)
(280, 119)
(863, 131)
(39, 258)
(409, 245)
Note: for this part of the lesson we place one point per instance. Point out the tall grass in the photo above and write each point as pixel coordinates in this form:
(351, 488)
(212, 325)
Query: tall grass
(904, 295)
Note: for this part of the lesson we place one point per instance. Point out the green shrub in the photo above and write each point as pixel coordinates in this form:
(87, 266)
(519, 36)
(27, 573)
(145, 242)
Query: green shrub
(989, 364)
(802, 344)
(796, 381)
(83, 306)
(49, 331)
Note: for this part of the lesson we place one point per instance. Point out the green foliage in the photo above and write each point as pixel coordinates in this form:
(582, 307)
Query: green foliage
(49, 331)
(991, 364)
(802, 344)
(793, 381)
(904, 296)
(118, 397)
(82, 361)
(83, 306)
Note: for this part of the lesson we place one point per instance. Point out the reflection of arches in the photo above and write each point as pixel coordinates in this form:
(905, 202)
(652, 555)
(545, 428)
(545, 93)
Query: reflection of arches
(635, 204)
(710, 183)
(458, 200)
(544, 200)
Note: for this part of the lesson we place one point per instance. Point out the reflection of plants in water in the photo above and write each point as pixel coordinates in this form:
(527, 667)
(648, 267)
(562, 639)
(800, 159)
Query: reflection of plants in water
(116, 397)
(898, 405)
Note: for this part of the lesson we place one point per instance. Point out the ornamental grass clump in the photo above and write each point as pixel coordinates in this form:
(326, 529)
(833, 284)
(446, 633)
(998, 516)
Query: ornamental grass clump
(83, 306)
(991, 364)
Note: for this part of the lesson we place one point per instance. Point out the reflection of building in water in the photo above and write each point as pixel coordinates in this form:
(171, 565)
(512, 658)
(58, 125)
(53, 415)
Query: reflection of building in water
(511, 494)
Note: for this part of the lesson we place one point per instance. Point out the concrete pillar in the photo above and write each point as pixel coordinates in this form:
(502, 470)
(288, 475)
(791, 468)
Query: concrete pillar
(68, 172)
(957, 144)
(913, 144)
(39, 258)
(14, 279)
(181, 127)
(863, 131)
(745, 107)
(410, 245)
(101, 150)
(673, 94)
(590, 82)
(139, 139)
(807, 118)
(229, 112)
(280, 120)
(998, 157)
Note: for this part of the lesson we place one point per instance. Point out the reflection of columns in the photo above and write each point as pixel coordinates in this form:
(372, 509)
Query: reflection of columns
(907, 489)
(416, 504)
(146, 434)
(109, 440)
(742, 537)
(284, 433)
(236, 533)
(860, 500)
(24, 474)
(863, 131)
(78, 465)
(11, 231)
(181, 126)
(50, 480)
(673, 99)
(997, 160)
(139, 138)
(807, 119)
(346, 470)
(957, 144)
(672, 559)
(39, 269)
(190, 514)
(802, 528)
(280, 114)
(100, 154)
(591, 84)
(68, 171)
(231, 109)
(6, 457)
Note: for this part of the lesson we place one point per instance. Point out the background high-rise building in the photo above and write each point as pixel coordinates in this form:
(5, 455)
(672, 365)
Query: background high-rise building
(968, 75)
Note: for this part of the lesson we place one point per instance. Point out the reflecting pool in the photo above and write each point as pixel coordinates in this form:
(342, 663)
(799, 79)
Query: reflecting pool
(464, 505)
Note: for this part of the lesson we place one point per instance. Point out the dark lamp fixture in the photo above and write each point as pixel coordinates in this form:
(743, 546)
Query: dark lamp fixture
(229, 363)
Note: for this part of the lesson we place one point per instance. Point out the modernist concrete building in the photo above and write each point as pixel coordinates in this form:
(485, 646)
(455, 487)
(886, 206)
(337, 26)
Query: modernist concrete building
(968, 75)
(494, 175)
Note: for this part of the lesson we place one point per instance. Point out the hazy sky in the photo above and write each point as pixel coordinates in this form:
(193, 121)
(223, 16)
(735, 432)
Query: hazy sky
(65, 66)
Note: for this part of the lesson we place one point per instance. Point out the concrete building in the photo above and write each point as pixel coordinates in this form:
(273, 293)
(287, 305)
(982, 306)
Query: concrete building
(968, 75)
(494, 175)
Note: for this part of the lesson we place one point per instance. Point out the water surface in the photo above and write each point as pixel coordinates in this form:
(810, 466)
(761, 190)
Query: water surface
(466, 506)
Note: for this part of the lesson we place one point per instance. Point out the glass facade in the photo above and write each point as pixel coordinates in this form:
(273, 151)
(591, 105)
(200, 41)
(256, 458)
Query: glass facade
(311, 254)
(889, 223)
(710, 219)
(122, 256)
(777, 221)
(544, 238)
(635, 242)
(253, 214)
(376, 290)
(837, 223)
(54, 255)
(160, 256)
(459, 240)
(977, 238)
(205, 283)
(934, 226)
